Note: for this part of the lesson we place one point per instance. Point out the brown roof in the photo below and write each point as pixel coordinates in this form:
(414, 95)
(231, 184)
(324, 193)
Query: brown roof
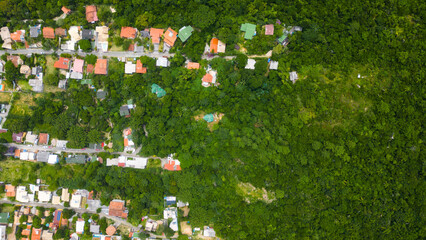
(43, 138)
(101, 66)
(156, 34)
(170, 36)
(128, 32)
(193, 65)
(60, 32)
(116, 208)
(91, 14)
(269, 29)
(90, 68)
(139, 67)
(65, 10)
(110, 230)
(16, 60)
(48, 32)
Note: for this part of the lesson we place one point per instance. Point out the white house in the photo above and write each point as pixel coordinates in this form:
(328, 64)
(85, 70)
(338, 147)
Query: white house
(250, 64)
(273, 65)
(170, 212)
(174, 225)
(79, 226)
(129, 68)
(75, 201)
(162, 62)
(44, 196)
(53, 159)
(22, 194)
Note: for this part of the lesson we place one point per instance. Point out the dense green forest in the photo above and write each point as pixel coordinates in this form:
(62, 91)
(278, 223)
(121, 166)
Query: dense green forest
(344, 155)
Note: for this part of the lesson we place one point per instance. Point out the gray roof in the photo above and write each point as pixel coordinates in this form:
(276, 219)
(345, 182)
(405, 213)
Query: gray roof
(144, 34)
(101, 94)
(42, 157)
(87, 34)
(62, 84)
(124, 110)
(35, 31)
(94, 228)
(81, 159)
(37, 70)
(95, 145)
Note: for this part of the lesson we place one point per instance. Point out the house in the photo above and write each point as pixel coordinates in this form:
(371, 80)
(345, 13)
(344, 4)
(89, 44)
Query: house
(128, 32)
(61, 32)
(31, 156)
(162, 62)
(129, 68)
(37, 71)
(18, 137)
(76, 159)
(18, 36)
(36, 234)
(56, 200)
(170, 212)
(139, 67)
(124, 111)
(156, 34)
(10, 190)
(17, 153)
(5, 36)
(65, 196)
(269, 29)
(87, 34)
(216, 46)
(110, 230)
(44, 196)
(27, 231)
(75, 34)
(43, 157)
(157, 90)
(2, 63)
(193, 65)
(209, 232)
(37, 84)
(250, 64)
(16, 60)
(65, 10)
(174, 225)
(117, 209)
(182, 204)
(293, 76)
(34, 188)
(31, 138)
(79, 226)
(43, 138)
(101, 34)
(137, 162)
(172, 165)
(78, 65)
(10, 151)
(101, 66)
(209, 78)
(25, 69)
(35, 31)
(3, 233)
(24, 155)
(170, 200)
(249, 29)
(273, 65)
(94, 228)
(75, 201)
(22, 194)
(53, 159)
(91, 14)
(74, 236)
(62, 63)
(151, 225)
(48, 33)
(57, 218)
(62, 84)
(112, 162)
(185, 32)
(46, 235)
(101, 94)
(170, 37)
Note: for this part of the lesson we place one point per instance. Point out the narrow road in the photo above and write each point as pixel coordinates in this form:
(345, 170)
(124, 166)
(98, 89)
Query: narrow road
(78, 210)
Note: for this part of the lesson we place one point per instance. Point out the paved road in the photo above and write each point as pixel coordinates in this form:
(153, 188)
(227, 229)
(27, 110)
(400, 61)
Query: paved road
(78, 210)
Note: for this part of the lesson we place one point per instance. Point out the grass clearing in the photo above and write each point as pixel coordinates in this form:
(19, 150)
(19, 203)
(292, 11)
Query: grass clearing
(252, 194)
(21, 105)
(211, 125)
(52, 89)
(16, 170)
(5, 97)
(49, 65)
(153, 163)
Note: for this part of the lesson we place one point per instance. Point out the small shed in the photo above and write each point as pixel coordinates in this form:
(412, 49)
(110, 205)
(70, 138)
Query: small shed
(209, 118)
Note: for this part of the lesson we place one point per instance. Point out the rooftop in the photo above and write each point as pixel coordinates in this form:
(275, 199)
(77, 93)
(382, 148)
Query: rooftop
(156, 34)
(249, 29)
(128, 32)
(185, 33)
(269, 29)
(48, 32)
(101, 66)
(170, 37)
(62, 63)
(91, 14)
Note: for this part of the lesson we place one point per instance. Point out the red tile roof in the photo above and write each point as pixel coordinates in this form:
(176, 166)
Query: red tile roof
(156, 34)
(90, 68)
(208, 78)
(10, 189)
(110, 230)
(128, 32)
(213, 45)
(60, 32)
(170, 36)
(101, 66)
(116, 208)
(43, 138)
(139, 67)
(193, 65)
(91, 14)
(65, 10)
(16, 36)
(36, 234)
(269, 29)
(171, 166)
(17, 153)
(126, 142)
(62, 63)
(48, 32)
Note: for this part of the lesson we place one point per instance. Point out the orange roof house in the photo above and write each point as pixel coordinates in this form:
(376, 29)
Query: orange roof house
(128, 32)
(65, 10)
(43, 138)
(208, 78)
(110, 230)
(62, 63)
(170, 37)
(10, 190)
(101, 66)
(172, 165)
(36, 234)
(117, 209)
(193, 65)
(139, 67)
(60, 32)
(17, 36)
(156, 34)
(27, 231)
(90, 68)
(217, 46)
(48, 32)
(91, 14)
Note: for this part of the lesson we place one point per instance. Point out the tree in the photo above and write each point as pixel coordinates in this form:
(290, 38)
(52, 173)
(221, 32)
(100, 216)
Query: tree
(51, 79)
(91, 59)
(23, 218)
(144, 20)
(94, 136)
(85, 45)
(241, 61)
(77, 137)
(203, 17)
(36, 222)
(12, 73)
